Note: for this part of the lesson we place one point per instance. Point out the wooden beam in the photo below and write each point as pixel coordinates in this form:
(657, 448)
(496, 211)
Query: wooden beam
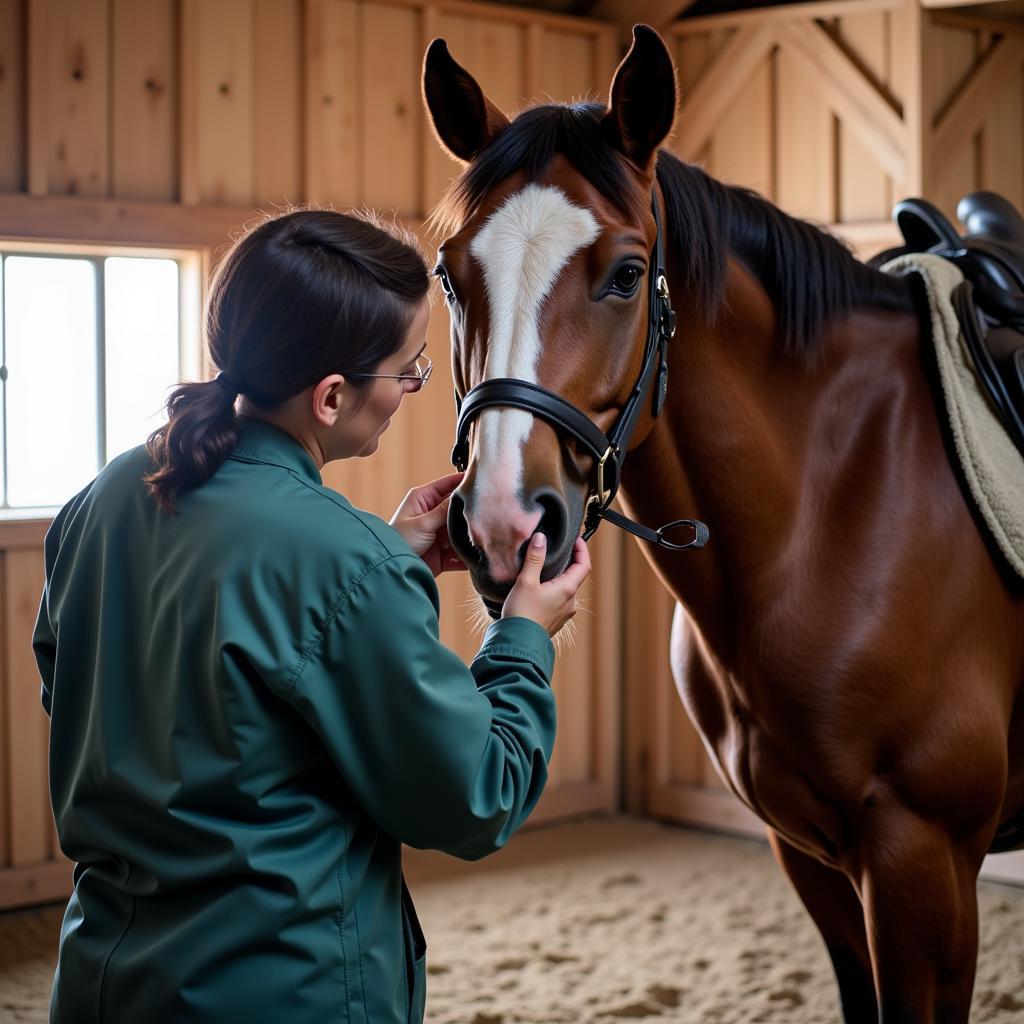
(972, 104)
(116, 222)
(717, 88)
(849, 93)
(978, 23)
(934, 4)
(659, 14)
(786, 12)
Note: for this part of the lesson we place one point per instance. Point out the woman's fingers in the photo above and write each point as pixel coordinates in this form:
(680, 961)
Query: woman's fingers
(579, 568)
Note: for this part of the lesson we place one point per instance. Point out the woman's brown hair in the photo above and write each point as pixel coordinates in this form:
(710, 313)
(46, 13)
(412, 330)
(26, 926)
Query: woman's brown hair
(301, 296)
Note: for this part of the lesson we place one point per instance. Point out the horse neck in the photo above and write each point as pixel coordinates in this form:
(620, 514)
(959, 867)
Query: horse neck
(752, 439)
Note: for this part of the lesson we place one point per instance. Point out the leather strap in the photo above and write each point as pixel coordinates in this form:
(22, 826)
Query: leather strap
(608, 451)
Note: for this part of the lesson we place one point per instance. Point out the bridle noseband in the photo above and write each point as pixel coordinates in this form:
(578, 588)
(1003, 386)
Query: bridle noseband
(608, 451)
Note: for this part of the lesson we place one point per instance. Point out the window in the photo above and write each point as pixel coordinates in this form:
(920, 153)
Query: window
(91, 342)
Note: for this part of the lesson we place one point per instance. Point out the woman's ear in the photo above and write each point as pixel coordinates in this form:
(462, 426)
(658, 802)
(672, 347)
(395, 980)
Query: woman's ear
(643, 98)
(464, 119)
(328, 399)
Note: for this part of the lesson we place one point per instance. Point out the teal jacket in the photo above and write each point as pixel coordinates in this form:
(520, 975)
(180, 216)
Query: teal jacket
(251, 711)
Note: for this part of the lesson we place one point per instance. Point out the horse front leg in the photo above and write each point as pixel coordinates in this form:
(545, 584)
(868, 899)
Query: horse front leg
(836, 909)
(921, 910)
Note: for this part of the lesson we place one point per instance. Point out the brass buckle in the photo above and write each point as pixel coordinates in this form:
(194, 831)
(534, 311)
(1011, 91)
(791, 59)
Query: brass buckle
(667, 319)
(602, 492)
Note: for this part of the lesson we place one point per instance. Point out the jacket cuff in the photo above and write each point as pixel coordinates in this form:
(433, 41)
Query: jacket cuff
(518, 637)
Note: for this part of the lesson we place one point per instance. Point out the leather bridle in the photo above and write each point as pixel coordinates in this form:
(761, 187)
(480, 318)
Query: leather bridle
(608, 450)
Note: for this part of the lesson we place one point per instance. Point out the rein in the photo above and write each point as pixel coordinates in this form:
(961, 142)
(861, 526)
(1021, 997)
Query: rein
(609, 451)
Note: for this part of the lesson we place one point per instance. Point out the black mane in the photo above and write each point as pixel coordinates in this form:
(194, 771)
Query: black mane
(810, 276)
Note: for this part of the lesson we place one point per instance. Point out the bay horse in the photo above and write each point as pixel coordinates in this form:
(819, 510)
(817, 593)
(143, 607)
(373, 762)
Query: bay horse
(849, 649)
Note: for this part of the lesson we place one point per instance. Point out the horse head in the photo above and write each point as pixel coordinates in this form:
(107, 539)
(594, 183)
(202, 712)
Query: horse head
(545, 269)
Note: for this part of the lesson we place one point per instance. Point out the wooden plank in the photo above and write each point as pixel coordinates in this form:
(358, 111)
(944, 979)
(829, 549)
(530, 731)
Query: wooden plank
(977, 22)
(743, 143)
(219, 84)
(277, 101)
(574, 686)
(333, 115)
(5, 770)
(865, 190)
(910, 38)
(805, 154)
(115, 222)
(608, 554)
(25, 725)
(992, 76)
(390, 138)
(849, 94)
(23, 533)
(433, 160)
(1002, 140)
(781, 14)
(713, 95)
(607, 55)
(77, 97)
(37, 83)
(694, 55)
(568, 73)
(707, 808)
(45, 882)
(534, 60)
(12, 96)
(145, 103)
(954, 62)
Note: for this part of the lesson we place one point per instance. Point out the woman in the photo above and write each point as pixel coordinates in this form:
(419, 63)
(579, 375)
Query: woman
(250, 706)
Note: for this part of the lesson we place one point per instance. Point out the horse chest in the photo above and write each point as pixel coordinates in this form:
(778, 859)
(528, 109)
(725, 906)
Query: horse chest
(764, 750)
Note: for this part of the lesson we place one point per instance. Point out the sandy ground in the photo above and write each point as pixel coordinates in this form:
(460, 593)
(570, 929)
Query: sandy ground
(601, 921)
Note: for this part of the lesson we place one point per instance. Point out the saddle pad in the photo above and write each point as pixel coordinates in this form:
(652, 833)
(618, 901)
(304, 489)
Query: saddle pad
(992, 466)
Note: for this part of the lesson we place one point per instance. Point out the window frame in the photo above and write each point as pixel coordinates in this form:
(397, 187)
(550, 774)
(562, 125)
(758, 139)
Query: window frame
(192, 262)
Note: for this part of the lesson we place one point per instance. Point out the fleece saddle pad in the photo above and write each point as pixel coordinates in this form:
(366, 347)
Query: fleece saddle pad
(992, 466)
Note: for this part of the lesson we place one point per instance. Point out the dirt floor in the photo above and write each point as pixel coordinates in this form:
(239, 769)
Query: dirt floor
(601, 921)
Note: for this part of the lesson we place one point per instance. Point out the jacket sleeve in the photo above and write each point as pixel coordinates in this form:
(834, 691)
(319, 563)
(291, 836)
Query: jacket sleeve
(44, 640)
(441, 756)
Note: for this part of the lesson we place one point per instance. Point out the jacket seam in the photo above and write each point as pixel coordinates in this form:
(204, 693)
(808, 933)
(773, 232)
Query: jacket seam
(341, 932)
(114, 949)
(319, 490)
(329, 617)
(515, 652)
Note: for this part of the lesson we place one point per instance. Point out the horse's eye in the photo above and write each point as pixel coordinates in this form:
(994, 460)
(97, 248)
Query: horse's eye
(446, 285)
(626, 279)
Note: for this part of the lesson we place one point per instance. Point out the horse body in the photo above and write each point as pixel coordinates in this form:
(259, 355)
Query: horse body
(847, 645)
(847, 582)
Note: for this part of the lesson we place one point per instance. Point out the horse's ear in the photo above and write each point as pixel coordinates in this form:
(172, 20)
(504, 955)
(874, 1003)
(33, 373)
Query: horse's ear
(643, 98)
(464, 119)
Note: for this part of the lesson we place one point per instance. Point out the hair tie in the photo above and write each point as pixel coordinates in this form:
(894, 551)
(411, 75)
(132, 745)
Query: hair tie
(231, 389)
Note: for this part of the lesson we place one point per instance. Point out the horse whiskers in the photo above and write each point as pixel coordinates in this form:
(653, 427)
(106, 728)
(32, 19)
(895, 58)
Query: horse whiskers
(566, 637)
(477, 616)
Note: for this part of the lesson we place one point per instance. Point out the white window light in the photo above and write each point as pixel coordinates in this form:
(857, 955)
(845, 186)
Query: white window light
(91, 340)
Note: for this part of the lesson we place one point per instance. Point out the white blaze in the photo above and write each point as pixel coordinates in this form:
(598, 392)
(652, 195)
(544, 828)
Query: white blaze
(522, 248)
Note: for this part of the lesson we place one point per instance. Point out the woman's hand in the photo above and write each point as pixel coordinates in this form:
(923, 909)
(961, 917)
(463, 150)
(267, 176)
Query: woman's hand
(551, 605)
(422, 519)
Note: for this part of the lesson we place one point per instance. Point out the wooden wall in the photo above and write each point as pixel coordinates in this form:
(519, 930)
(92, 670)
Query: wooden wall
(258, 102)
(836, 110)
(171, 122)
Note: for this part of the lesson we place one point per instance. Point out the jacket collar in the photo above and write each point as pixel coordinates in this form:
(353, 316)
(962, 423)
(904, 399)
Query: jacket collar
(259, 441)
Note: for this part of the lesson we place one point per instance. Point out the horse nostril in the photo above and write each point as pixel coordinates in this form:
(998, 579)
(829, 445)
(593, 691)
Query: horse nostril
(458, 528)
(554, 520)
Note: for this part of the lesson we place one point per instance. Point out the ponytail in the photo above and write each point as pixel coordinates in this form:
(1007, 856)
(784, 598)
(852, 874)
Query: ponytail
(303, 295)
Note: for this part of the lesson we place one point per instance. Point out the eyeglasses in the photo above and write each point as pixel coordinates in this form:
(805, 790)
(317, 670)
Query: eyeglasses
(418, 379)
